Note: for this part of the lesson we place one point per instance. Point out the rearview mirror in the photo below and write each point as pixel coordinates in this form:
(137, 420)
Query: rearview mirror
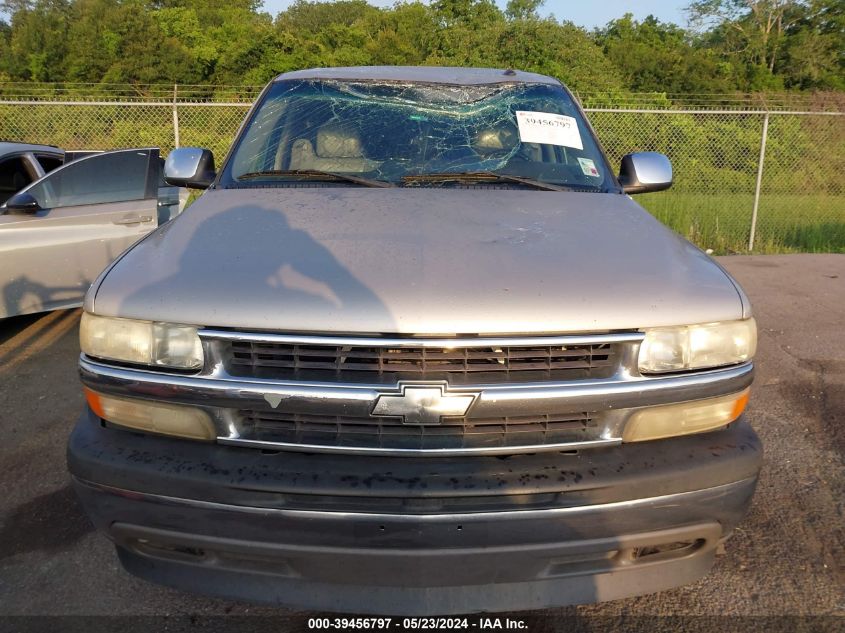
(645, 171)
(22, 203)
(190, 167)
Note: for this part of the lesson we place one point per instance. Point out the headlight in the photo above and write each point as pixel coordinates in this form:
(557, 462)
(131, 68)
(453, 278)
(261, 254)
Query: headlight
(140, 342)
(697, 346)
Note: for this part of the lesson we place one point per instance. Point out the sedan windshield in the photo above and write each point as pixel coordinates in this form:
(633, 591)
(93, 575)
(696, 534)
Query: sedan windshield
(418, 135)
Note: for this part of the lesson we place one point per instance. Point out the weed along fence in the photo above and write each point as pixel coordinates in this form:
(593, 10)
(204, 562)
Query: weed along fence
(751, 179)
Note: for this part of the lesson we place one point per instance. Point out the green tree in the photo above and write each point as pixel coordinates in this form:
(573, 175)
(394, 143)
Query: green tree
(38, 42)
(227, 41)
(753, 30)
(404, 35)
(5, 36)
(466, 32)
(736, 44)
(523, 9)
(814, 53)
(310, 16)
(653, 56)
(564, 51)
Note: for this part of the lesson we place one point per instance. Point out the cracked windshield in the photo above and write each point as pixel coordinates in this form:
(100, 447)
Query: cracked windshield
(405, 134)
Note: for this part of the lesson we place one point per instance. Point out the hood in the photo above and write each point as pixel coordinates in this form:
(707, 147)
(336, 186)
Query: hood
(416, 261)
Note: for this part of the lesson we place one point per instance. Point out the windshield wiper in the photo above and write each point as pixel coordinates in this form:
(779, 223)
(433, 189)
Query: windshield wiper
(488, 176)
(317, 174)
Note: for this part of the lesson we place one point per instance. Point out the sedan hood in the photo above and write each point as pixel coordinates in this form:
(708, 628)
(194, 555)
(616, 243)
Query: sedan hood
(416, 261)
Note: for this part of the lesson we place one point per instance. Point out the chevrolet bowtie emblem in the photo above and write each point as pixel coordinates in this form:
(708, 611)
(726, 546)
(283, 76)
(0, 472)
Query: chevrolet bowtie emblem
(422, 404)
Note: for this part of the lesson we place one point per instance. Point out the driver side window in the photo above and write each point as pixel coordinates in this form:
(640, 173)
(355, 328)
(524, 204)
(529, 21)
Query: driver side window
(99, 179)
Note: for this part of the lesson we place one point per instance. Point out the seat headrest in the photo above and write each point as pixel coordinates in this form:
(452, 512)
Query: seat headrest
(335, 141)
(494, 140)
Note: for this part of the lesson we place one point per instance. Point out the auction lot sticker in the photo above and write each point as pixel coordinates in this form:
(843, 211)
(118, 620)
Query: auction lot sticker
(548, 129)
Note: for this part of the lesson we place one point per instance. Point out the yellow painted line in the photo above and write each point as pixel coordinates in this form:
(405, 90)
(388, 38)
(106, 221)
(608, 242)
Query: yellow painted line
(21, 338)
(61, 327)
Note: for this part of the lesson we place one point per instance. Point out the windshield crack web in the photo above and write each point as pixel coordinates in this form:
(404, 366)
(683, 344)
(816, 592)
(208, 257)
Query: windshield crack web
(387, 131)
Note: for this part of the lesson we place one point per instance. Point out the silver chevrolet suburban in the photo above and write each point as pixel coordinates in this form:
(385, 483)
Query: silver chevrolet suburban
(415, 350)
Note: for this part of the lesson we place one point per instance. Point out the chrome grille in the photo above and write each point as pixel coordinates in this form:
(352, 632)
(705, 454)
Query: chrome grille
(386, 365)
(389, 433)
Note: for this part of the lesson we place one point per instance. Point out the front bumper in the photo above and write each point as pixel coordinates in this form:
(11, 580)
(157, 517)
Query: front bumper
(415, 536)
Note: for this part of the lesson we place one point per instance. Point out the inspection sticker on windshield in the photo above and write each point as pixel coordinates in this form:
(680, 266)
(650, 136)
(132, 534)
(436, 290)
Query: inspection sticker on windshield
(588, 167)
(549, 129)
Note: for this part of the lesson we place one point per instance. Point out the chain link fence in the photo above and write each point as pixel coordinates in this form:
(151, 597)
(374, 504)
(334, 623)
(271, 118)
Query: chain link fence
(745, 180)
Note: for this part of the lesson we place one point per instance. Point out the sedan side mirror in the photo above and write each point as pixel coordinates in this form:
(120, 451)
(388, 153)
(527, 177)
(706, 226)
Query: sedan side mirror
(645, 171)
(190, 167)
(22, 203)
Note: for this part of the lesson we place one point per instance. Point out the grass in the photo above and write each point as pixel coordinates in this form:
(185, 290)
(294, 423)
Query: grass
(813, 223)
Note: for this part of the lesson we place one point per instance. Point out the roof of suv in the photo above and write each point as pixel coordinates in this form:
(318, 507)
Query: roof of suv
(422, 74)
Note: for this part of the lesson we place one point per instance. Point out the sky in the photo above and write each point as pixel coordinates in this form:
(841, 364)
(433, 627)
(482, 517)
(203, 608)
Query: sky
(587, 13)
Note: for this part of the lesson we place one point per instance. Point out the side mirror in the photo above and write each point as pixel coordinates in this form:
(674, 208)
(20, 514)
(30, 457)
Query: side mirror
(190, 167)
(22, 203)
(645, 171)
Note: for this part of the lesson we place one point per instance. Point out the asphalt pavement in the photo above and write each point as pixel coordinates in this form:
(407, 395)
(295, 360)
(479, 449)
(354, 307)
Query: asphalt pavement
(786, 558)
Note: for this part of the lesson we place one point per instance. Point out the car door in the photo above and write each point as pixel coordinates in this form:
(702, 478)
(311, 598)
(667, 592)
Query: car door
(171, 200)
(92, 209)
